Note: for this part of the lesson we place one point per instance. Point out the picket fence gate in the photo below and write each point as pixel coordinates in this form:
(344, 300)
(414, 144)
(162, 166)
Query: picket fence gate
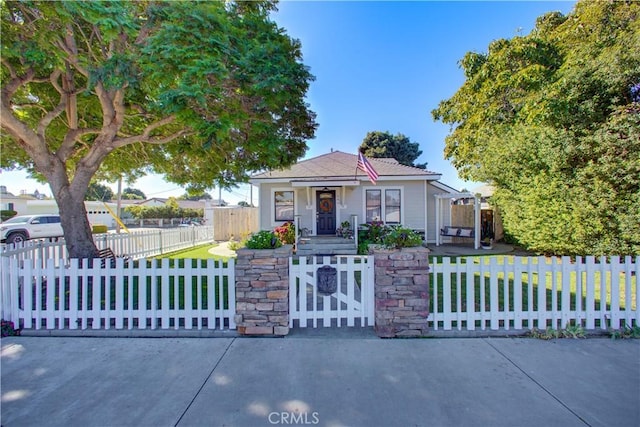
(534, 292)
(352, 303)
(92, 294)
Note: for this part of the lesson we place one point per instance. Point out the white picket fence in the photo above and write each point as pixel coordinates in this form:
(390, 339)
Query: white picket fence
(534, 292)
(353, 301)
(155, 294)
(135, 245)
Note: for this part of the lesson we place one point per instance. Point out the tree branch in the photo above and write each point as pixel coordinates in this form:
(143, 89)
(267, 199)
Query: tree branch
(48, 118)
(67, 147)
(146, 134)
(12, 72)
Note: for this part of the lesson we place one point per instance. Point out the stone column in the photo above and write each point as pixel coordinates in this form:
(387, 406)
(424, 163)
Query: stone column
(262, 291)
(401, 292)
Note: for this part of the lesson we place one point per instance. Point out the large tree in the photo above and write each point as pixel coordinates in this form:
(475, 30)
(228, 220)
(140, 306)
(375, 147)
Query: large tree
(552, 119)
(385, 145)
(203, 92)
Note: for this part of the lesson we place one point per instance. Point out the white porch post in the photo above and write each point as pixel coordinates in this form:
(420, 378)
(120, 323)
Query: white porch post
(476, 220)
(438, 237)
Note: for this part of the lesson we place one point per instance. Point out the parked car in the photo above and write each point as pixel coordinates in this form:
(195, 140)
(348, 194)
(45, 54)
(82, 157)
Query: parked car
(26, 227)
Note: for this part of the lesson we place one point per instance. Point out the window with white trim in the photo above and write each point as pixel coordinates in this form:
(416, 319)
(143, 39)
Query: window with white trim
(283, 205)
(387, 209)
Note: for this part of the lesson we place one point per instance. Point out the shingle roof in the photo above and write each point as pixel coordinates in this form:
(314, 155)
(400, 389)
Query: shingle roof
(338, 165)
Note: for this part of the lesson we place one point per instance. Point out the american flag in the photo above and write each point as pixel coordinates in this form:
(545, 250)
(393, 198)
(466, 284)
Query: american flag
(365, 166)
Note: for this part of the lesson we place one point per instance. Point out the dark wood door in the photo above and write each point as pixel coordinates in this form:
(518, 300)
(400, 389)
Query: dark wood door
(326, 212)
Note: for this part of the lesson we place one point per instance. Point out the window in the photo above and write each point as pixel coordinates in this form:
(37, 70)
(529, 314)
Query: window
(374, 205)
(392, 206)
(283, 202)
(387, 209)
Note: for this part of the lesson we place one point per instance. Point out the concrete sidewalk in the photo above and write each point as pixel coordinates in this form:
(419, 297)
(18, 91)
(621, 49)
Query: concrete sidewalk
(319, 381)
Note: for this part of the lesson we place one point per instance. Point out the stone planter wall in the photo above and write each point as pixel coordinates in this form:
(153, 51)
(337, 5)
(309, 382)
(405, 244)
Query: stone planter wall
(401, 292)
(262, 291)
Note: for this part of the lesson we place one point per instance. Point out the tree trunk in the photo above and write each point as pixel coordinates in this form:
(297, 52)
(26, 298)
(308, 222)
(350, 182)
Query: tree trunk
(75, 223)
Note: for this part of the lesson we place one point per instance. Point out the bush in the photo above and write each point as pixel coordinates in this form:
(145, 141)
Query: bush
(286, 233)
(99, 229)
(400, 237)
(389, 236)
(8, 328)
(263, 240)
(6, 214)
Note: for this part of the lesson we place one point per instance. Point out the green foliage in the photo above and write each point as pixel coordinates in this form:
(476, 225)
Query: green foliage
(99, 192)
(202, 92)
(389, 236)
(8, 329)
(385, 145)
(398, 237)
(170, 210)
(628, 332)
(264, 239)
(6, 214)
(244, 204)
(196, 195)
(571, 331)
(286, 233)
(99, 229)
(133, 194)
(552, 120)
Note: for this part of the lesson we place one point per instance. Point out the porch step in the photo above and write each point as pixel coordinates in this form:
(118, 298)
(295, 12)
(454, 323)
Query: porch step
(326, 245)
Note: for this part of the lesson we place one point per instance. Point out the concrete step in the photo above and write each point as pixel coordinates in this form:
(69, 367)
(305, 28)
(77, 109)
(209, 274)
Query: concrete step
(326, 245)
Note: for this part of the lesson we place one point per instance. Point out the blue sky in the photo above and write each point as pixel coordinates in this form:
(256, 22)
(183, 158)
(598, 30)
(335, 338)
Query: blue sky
(379, 66)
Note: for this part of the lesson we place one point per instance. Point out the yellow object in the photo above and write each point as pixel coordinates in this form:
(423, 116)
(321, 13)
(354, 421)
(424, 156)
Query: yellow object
(113, 214)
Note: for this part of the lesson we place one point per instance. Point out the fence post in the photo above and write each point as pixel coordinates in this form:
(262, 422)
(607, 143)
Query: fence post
(401, 292)
(262, 291)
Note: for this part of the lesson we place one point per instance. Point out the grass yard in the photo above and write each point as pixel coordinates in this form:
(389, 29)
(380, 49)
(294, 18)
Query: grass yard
(198, 252)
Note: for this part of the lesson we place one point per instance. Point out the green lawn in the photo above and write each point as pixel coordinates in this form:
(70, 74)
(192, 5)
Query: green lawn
(198, 252)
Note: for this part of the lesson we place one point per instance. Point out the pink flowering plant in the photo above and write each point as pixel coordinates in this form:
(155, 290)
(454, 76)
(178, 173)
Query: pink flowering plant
(286, 233)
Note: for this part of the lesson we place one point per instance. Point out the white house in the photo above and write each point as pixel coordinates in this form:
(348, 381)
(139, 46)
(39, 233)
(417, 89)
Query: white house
(326, 190)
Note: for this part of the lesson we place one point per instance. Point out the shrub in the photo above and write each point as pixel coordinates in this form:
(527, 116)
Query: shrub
(6, 214)
(8, 328)
(398, 237)
(286, 233)
(263, 240)
(99, 229)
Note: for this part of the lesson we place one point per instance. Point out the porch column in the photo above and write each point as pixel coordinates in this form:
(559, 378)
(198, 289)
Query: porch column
(438, 237)
(476, 221)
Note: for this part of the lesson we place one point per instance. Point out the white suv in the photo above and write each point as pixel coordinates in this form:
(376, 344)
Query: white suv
(25, 227)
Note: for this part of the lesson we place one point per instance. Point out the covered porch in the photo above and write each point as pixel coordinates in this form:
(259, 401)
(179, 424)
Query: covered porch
(446, 231)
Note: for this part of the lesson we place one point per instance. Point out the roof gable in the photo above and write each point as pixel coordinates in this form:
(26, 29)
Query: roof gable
(339, 165)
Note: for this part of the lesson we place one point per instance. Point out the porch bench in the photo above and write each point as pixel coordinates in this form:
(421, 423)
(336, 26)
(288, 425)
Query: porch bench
(107, 254)
(455, 231)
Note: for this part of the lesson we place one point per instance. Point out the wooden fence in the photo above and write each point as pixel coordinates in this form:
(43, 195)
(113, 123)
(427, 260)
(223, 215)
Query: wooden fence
(155, 294)
(534, 292)
(135, 245)
(234, 222)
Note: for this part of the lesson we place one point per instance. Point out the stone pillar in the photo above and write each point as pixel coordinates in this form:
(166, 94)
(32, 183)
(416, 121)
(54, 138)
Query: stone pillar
(401, 292)
(262, 291)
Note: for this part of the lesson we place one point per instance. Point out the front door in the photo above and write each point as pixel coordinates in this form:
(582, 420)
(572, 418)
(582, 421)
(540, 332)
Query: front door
(326, 212)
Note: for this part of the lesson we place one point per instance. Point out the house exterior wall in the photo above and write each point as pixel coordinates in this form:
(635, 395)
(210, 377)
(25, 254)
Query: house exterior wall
(413, 204)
